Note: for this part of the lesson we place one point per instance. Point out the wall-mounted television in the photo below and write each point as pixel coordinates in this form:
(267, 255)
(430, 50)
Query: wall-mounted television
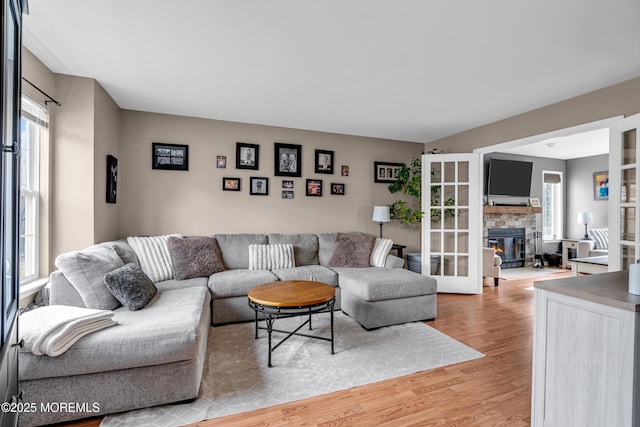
(510, 178)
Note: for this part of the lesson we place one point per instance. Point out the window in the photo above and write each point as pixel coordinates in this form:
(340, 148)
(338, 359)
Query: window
(34, 122)
(552, 205)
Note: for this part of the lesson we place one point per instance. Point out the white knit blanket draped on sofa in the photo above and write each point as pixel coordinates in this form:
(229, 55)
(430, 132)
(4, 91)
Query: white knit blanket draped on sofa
(53, 329)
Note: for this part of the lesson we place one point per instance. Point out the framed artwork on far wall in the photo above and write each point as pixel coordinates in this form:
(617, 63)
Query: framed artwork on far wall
(259, 186)
(112, 179)
(231, 184)
(345, 170)
(247, 156)
(287, 159)
(314, 187)
(386, 172)
(324, 161)
(601, 185)
(337, 189)
(170, 156)
(221, 162)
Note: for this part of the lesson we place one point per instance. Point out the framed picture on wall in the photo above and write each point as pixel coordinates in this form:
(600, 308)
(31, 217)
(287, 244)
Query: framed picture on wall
(247, 156)
(534, 202)
(112, 179)
(386, 172)
(287, 159)
(170, 156)
(231, 184)
(314, 187)
(601, 185)
(345, 170)
(259, 186)
(221, 162)
(337, 189)
(324, 161)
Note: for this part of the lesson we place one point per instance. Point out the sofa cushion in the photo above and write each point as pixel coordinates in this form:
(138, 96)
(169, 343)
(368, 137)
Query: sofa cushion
(153, 256)
(305, 246)
(130, 286)
(235, 248)
(236, 283)
(378, 284)
(352, 250)
(317, 273)
(164, 332)
(85, 270)
(166, 285)
(269, 257)
(326, 245)
(124, 250)
(194, 257)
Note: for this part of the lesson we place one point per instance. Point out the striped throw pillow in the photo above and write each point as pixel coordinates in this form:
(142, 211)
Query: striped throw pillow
(600, 236)
(153, 256)
(380, 251)
(271, 257)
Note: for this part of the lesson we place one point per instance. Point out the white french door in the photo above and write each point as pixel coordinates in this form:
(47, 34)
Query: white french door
(624, 196)
(451, 194)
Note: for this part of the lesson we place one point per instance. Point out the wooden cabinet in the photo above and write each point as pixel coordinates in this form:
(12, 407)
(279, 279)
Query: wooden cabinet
(585, 360)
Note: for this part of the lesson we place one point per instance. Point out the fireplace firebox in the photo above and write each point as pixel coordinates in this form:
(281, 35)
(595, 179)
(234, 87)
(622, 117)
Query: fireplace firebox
(509, 244)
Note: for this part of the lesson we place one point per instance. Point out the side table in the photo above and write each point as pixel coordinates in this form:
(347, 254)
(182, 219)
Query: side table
(398, 249)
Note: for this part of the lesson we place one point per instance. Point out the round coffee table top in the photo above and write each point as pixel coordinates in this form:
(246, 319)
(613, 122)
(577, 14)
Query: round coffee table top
(291, 293)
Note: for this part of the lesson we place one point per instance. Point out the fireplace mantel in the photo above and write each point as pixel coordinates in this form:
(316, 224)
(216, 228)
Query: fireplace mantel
(510, 210)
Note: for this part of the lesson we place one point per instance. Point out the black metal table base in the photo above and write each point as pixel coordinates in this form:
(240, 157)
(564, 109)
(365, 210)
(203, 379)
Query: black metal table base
(271, 314)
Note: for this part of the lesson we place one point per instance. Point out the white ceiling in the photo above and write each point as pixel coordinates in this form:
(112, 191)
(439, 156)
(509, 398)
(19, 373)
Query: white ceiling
(583, 144)
(413, 70)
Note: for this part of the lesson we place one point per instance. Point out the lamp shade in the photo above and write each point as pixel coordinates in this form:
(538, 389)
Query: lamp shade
(585, 217)
(381, 214)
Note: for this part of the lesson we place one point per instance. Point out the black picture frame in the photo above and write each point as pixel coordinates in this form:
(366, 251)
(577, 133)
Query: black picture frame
(337, 188)
(292, 164)
(314, 187)
(231, 184)
(382, 170)
(324, 162)
(173, 157)
(112, 179)
(287, 194)
(247, 156)
(259, 186)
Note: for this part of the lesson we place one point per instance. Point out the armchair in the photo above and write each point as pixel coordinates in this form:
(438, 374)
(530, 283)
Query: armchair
(491, 264)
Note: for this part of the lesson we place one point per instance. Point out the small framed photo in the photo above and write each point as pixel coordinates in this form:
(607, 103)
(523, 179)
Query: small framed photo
(534, 202)
(287, 159)
(314, 187)
(345, 170)
(324, 161)
(287, 194)
(287, 184)
(601, 185)
(221, 162)
(259, 186)
(247, 156)
(386, 172)
(231, 184)
(337, 189)
(170, 156)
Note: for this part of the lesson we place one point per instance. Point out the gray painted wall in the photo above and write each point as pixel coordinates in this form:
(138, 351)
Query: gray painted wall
(579, 197)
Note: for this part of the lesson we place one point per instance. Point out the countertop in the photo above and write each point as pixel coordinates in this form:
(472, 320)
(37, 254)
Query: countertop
(607, 289)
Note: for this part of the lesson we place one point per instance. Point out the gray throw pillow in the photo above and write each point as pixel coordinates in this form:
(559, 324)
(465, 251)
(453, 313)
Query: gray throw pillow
(85, 270)
(195, 257)
(130, 286)
(352, 250)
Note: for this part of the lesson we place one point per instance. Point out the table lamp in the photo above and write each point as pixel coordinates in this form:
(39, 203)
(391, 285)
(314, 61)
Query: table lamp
(585, 218)
(381, 215)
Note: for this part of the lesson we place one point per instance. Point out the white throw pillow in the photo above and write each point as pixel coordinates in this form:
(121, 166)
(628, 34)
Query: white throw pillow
(153, 256)
(380, 251)
(271, 257)
(600, 236)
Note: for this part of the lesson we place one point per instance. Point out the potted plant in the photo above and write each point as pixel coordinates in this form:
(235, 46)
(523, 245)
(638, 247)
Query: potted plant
(409, 182)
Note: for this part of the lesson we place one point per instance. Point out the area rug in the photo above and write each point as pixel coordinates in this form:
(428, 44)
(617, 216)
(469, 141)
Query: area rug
(519, 273)
(237, 379)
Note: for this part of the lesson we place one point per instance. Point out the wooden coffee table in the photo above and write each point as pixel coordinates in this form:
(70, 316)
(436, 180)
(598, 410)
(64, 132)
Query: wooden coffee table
(290, 298)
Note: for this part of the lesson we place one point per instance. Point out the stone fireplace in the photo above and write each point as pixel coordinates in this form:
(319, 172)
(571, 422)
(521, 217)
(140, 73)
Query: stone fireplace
(512, 217)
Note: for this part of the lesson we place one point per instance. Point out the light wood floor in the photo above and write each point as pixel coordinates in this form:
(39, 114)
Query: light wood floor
(491, 391)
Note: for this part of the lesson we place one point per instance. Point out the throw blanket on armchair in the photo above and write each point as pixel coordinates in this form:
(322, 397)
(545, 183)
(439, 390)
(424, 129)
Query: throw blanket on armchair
(53, 329)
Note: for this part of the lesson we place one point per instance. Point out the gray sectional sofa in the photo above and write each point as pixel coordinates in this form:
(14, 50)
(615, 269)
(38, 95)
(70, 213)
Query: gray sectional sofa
(156, 355)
